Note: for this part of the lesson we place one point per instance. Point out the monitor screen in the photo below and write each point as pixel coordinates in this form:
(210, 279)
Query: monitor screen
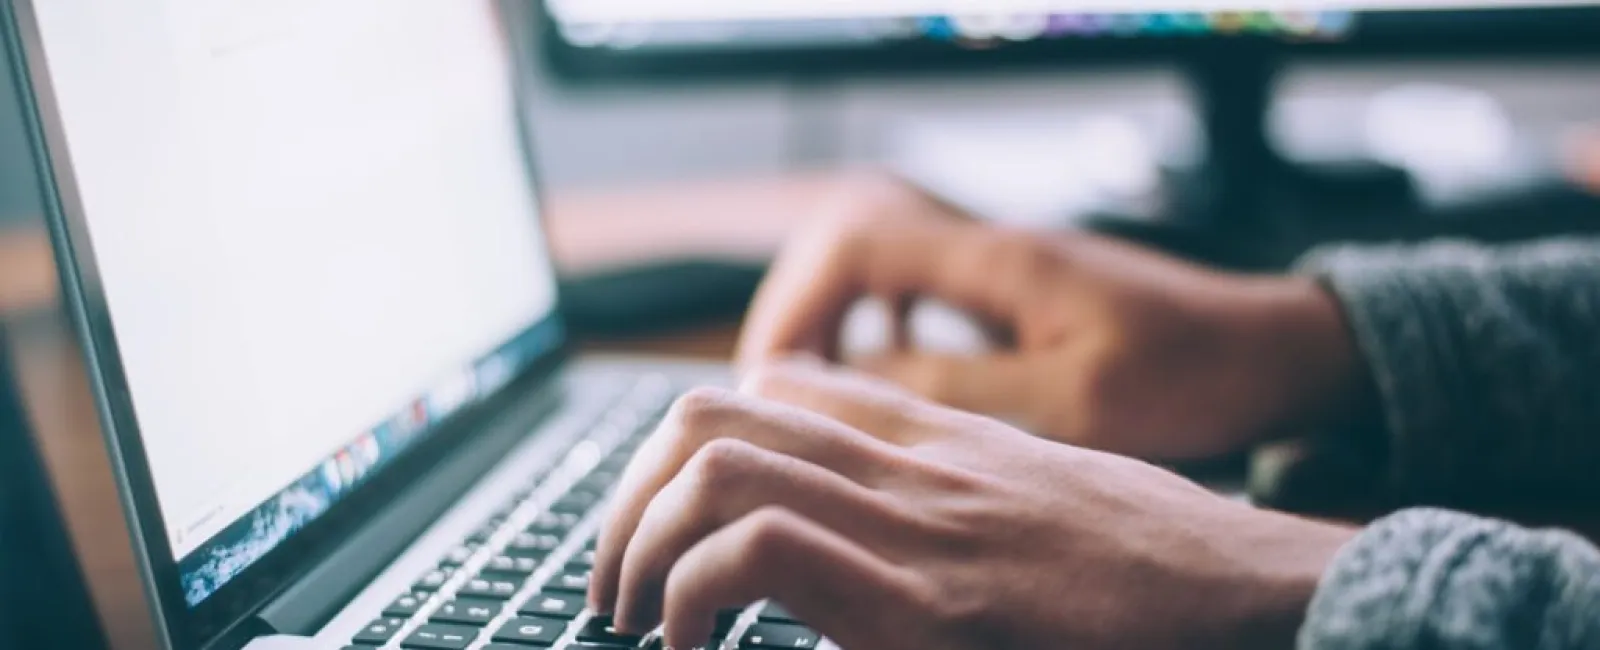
(850, 24)
(313, 223)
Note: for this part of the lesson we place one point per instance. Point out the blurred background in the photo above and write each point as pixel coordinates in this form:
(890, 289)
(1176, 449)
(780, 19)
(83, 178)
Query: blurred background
(1018, 122)
(1039, 116)
(678, 145)
(626, 100)
(1236, 137)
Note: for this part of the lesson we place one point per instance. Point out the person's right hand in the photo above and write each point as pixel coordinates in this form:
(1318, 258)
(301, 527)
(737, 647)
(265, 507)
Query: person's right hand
(1102, 344)
(890, 523)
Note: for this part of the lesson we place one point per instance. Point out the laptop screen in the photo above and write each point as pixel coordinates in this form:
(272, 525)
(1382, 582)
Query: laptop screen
(313, 224)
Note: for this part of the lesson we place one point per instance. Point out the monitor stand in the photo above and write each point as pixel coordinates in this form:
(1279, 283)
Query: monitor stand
(1246, 206)
(1244, 180)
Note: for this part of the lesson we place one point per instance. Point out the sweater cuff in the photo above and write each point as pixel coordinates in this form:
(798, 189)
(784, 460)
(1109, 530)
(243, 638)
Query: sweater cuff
(1388, 297)
(1437, 579)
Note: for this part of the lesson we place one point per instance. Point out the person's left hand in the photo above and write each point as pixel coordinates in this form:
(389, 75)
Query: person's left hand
(887, 522)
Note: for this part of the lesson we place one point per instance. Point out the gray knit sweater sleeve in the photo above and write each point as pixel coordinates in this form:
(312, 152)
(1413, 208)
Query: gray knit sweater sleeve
(1486, 363)
(1438, 580)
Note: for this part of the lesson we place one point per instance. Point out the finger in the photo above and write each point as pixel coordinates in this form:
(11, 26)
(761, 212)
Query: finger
(817, 279)
(695, 420)
(999, 385)
(836, 586)
(865, 403)
(726, 481)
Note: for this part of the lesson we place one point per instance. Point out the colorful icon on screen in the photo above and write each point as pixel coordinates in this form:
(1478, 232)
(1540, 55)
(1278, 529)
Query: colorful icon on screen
(331, 476)
(1128, 24)
(1336, 23)
(1261, 22)
(937, 28)
(1299, 23)
(348, 473)
(1227, 22)
(1069, 25)
(1161, 24)
(1191, 22)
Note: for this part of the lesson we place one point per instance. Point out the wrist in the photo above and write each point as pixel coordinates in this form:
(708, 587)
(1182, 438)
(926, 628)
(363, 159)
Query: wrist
(1283, 565)
(1309, 356)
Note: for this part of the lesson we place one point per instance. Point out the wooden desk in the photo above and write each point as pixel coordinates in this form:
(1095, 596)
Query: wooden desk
(741, 219)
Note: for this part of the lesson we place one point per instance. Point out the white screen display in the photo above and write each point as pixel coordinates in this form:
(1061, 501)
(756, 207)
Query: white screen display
(305, 214)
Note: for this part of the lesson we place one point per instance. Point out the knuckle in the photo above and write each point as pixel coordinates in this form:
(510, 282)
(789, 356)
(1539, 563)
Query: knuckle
(699, 410)
(767, 379)
(972, 617)
(957, 611)
(767, 536)
(721, 465)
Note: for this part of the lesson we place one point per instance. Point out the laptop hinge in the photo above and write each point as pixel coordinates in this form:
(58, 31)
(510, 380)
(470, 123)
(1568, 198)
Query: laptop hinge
(327, 588)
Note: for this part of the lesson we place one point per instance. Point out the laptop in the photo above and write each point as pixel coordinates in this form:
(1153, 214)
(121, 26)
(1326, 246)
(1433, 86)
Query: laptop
(303, 247)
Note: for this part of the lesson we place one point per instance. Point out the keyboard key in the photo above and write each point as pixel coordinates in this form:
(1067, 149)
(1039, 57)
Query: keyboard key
(492, 589)
(726, 619)
(552, 523)
(775, 613)
(359, 647)
(556, 605)
(599, 630)
(600, 480)
(483, 533)
(506, 564)
(580, 645)
(473, 612)
(504, 512)
(459, 555)
(777, 635)
(528, 630)
(576, 582)
(379, 631)
(577, 502)
(532, 545)
(496, 576)
(440, 637)
(533, 554)
(584, 558)
(433, 580)
(405, 606)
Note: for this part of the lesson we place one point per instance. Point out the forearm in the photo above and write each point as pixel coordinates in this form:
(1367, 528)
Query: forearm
(1447, 581)
(1485, 363)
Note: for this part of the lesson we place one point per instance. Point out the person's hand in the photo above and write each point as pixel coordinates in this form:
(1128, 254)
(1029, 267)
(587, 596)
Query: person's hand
(1100, 343)
(887, 522)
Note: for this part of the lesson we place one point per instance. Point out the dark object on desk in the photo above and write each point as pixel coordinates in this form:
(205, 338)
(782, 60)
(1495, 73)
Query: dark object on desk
(44, 601)
(1543, 212)
(659, 297)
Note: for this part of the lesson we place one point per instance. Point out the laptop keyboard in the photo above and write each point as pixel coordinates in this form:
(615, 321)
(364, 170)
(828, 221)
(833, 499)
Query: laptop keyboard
(520, 580)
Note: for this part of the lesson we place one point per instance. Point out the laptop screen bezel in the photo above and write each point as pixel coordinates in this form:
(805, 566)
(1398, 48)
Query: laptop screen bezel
(184, 627)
